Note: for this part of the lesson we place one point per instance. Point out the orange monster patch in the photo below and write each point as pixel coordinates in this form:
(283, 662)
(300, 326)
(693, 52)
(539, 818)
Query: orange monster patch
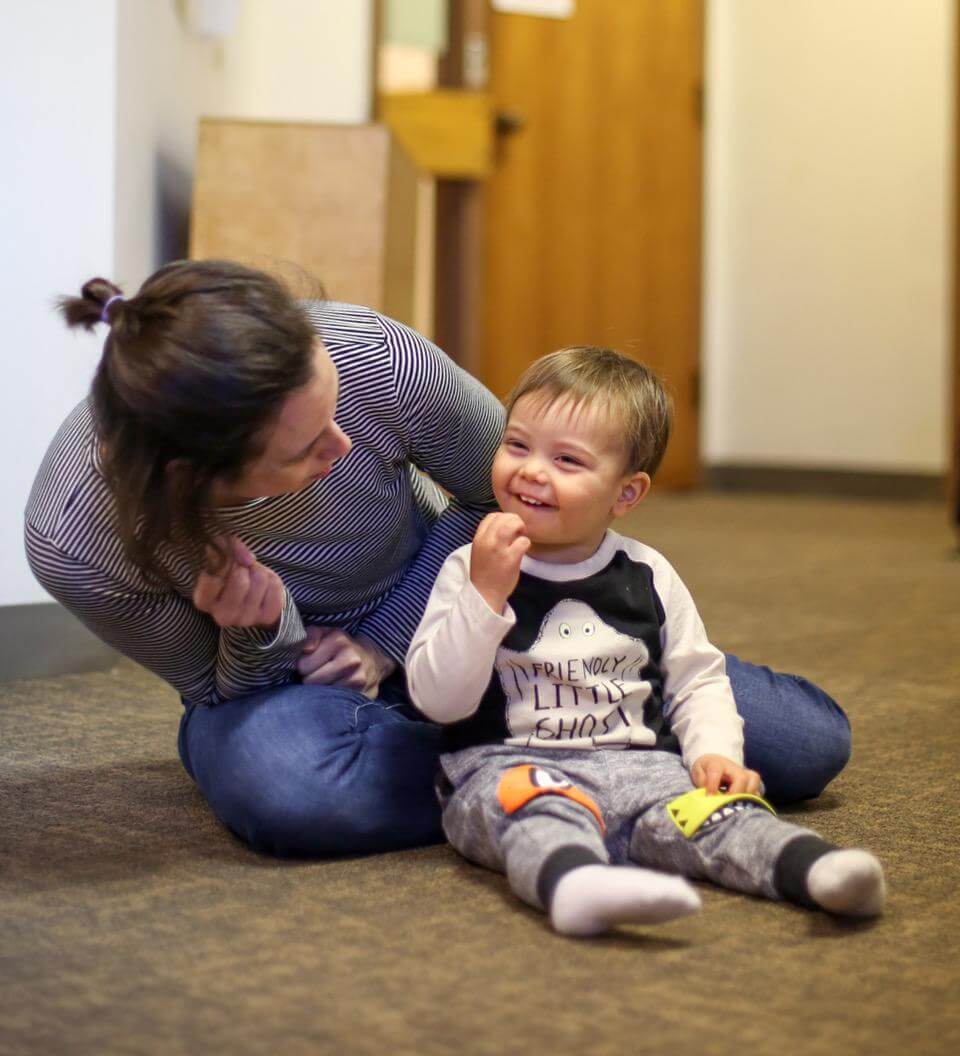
(521, 784)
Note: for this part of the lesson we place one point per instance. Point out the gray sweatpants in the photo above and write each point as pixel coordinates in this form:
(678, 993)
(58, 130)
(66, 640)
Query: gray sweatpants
(551, 832)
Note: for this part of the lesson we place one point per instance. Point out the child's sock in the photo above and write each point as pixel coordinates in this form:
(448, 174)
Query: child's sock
(816, 873)
(592, 899)
(849, 882)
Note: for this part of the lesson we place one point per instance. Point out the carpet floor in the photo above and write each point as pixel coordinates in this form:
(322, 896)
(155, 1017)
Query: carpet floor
(132, 922)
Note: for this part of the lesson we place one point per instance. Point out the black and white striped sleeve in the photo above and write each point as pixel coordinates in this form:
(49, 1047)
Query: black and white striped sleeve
(165, 633)
(452, 426)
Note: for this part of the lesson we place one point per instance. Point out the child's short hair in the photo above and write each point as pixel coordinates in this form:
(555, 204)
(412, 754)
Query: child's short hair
(629, 393)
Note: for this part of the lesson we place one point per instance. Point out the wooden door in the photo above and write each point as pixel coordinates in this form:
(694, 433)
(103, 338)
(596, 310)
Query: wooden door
(592, 215)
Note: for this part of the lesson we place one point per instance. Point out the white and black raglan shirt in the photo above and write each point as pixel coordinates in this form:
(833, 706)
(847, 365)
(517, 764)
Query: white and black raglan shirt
(605, 653)
(358, 550)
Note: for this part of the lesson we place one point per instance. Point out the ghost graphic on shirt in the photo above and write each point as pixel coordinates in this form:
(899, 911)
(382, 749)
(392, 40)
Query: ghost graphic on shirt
(579, 685)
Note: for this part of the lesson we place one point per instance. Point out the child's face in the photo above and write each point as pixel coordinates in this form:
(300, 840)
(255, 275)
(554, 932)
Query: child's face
(561, 468)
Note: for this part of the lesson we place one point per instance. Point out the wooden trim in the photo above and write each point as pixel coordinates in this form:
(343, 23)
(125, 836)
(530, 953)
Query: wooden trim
(450, 63)
(458, 300)
(954, 492)
(376, 35)
(833, 483)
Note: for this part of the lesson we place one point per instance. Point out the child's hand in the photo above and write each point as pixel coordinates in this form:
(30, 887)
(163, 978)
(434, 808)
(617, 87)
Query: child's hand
(712, 771)
(498, 548)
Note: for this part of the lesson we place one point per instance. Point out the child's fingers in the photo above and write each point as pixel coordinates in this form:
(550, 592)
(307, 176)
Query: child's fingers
(513, 524)
(714, 774)
(518, 548)
(739, 779)
(751, 782)
(735, 781)
(507, 527)
(497, 532)
(489, 534)
(483, 528)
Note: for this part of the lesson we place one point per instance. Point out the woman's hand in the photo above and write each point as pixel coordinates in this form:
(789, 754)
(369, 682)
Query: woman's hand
(332, 658)
(498, 548)
(712, 771)
(244, 593)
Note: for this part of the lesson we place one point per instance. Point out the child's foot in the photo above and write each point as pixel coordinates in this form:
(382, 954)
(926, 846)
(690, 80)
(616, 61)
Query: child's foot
(592, 899)
(848, 882)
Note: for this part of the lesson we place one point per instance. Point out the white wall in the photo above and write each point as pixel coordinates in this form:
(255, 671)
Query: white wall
(296, 60)
(286, 60)
(98, 108)
(827, 233)
(57, 91)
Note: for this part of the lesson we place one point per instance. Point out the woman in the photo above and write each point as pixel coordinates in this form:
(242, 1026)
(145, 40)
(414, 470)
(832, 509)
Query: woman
(238, 507)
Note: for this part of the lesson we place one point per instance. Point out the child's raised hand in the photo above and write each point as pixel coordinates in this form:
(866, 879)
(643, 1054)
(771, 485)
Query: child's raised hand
(712, 771)
(498, 547)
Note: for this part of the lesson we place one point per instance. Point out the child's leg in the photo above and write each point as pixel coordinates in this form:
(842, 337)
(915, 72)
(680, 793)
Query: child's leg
(746, 848)
(531, 822)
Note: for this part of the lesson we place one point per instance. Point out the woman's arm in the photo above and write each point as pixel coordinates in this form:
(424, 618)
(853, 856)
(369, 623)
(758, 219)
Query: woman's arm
(165, 632)
(452, 426)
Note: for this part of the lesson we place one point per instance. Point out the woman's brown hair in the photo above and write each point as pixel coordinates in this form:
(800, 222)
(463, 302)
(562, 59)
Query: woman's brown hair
(195, 367)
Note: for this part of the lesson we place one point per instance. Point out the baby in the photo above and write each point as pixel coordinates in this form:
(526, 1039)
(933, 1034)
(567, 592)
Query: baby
(589, 722)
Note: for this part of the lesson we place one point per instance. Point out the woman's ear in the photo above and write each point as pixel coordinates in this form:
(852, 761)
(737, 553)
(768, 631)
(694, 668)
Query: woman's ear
(632, 491)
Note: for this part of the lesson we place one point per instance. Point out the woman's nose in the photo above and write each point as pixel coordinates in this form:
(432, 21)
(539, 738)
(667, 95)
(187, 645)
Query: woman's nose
(344, 443)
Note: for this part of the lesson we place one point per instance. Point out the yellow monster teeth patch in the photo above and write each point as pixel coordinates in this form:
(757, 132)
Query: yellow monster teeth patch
(697, 810)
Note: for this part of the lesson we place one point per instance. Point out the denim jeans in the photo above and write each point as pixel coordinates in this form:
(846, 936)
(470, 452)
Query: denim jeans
(319, 770)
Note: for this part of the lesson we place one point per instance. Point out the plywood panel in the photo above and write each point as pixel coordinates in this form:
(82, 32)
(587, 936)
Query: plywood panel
(339, 202)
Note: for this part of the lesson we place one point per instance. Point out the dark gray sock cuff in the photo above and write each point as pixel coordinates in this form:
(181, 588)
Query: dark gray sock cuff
(793, 865)
(558, 864)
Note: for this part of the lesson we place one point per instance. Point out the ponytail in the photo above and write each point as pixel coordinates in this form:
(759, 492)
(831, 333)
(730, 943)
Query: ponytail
(94, 305)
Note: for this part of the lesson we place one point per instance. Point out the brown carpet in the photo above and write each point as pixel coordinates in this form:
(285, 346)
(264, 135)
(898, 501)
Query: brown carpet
(133, 923)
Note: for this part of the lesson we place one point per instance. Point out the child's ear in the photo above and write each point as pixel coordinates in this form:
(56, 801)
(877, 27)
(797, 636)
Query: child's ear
(632, 491)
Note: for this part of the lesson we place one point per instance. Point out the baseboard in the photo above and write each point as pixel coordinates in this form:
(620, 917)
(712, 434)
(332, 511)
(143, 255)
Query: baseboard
(851, 484)
(44, 640)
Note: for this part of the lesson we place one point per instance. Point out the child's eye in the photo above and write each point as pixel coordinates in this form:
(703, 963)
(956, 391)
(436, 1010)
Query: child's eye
(569, 460)
(514, 445)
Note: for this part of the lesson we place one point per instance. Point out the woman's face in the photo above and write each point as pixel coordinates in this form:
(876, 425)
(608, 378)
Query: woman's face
(301, 445)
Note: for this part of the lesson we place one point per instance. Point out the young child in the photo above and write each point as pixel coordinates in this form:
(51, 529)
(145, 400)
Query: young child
(589, 721)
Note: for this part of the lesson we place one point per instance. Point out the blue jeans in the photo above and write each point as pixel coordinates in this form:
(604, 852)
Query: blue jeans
(318, 770)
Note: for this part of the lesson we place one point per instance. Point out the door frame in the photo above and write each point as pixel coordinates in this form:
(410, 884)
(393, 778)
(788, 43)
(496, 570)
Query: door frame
(954, 486)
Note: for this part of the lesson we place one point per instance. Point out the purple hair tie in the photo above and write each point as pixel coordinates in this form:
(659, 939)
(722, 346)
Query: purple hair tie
(109, 301)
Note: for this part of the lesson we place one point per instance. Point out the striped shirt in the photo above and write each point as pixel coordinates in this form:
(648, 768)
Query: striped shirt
(359, 549)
